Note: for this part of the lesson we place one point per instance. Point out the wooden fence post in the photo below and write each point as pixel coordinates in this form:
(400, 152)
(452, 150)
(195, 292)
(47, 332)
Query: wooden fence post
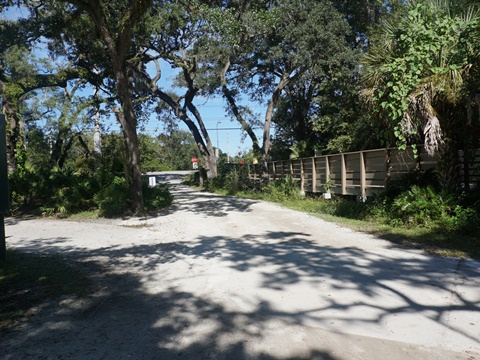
(327, 172)
(387, 166)
(302, 176)
(344, 175)
(314, 176)
(419, 160)
(466, 169)
(363, 180)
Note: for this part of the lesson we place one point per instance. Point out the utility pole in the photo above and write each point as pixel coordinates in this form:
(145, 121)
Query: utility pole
(217, 153)
(228, 155)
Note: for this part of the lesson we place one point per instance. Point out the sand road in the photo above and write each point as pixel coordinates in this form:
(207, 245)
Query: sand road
(218, 277)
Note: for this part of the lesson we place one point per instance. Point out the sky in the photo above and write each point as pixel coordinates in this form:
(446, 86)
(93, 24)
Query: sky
(222, 129)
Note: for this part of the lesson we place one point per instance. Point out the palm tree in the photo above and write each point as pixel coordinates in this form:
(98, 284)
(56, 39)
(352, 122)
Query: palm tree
(417, 74)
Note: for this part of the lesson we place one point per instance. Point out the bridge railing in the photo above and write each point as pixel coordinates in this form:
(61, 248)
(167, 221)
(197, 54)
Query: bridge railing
(360, 173)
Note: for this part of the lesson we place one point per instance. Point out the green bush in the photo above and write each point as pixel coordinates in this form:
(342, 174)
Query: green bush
(422, 206)
(236, 180)
(62, 192)
(404, 183)
(156, 197)
(281, 190)
(113, 200)
(350, 208)
(24, 186)
(426, 207)
(232, 178)
(52, 191)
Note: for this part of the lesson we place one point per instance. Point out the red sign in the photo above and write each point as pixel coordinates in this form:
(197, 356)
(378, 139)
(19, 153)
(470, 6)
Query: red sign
(194, 159)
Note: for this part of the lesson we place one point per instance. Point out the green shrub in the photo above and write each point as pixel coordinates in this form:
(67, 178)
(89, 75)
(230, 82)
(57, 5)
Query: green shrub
(156, 197)
(24, 186)
(350, 208)
(281, 190)
(232, 178)
(113, 199)
(236, 180)
(213, 184)
(66, 191)
(422, 206)
(52, 191)
(404, 183)
(464, 220)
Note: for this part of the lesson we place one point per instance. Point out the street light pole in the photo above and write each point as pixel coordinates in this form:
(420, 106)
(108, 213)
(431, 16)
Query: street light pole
(218, 149)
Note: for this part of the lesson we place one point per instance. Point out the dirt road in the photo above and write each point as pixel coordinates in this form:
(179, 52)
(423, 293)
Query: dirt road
(217, 277)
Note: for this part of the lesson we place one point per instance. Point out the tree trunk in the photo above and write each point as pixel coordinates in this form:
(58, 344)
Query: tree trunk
(13, 133)
(211, 162)
(206, 150)
(117, 34)
(210, 157)
(129, 128)
(97, 132)
(236, 112)
(272, 104)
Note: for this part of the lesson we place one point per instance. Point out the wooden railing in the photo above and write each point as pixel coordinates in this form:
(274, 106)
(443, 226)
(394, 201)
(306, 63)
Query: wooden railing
(360, 173)
(469, 169)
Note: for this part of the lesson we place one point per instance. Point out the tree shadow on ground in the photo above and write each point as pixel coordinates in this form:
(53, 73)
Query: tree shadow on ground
(161, 300)
(124, 321)
(207, 204)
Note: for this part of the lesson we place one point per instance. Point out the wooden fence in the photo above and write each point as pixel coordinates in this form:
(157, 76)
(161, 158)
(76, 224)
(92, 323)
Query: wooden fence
(360, 173)
(469, 169)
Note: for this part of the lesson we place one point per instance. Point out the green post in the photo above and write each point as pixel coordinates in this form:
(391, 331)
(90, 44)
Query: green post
(4, 203)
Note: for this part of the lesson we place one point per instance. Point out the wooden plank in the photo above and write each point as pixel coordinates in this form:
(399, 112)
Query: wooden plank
(363, 179)
(327, 173)
(314, 176)
(302, 176)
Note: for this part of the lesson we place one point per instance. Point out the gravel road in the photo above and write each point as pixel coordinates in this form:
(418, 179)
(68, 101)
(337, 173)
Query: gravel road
(218, 277)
